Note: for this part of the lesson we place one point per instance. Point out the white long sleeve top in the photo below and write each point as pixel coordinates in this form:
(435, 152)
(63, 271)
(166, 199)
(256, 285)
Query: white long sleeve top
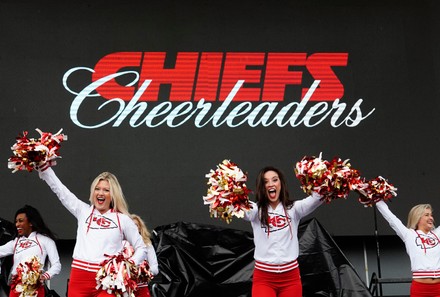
(422, 248)
(23, 248)
(98, 235)
(151, 258)
(279, 244)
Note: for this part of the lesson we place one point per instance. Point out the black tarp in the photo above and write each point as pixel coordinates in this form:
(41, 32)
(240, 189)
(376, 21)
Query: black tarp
(325, 271)
(198, 260)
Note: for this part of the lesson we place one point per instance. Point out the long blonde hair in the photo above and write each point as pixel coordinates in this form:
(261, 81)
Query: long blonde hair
(143, 230)
(118, 200)
(416, 213)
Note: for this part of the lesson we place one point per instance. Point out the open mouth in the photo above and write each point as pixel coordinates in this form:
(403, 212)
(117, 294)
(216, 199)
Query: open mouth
(272, 193)
(100, 200)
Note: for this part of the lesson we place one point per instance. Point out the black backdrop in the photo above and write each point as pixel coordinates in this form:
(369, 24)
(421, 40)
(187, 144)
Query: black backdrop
(392, 64)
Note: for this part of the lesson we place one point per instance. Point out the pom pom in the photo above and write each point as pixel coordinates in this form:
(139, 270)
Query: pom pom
(27, 280)
(340, 180)
(332, 180)
(30, 153)
(144, 273)
(374, 190)
(118, 275)
(311, 172)
(227, 194)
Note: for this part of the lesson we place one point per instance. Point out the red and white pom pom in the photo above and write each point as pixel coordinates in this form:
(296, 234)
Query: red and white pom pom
(144, 273)
(310, 172)
(332, 180)
(374, 190)
(118, 275)
(27, 280)
(30, 153)
(227, 194)
(340, 180)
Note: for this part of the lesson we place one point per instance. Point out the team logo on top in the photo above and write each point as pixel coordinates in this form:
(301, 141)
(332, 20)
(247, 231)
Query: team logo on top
(101, 222)
(277, 222)
(426, 241)
(25, 244)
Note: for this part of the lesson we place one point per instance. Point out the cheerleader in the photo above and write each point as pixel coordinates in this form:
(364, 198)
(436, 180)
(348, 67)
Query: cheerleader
(143, 290)
(103, 225)
(422, 244)
(275, 219)
(34, 239)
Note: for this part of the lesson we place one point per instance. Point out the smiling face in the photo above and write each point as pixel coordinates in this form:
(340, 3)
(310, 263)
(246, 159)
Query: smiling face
(272, 185)
(102, 197)
(24, 227)
(426, 222)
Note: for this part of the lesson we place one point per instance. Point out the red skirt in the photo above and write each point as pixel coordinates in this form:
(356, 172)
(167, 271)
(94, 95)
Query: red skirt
(424, 290)
(271, 284)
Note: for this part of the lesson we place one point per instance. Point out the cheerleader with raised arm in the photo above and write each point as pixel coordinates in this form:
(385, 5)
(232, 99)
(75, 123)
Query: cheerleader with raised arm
(422, 244)
(275, 219)
(103, 225)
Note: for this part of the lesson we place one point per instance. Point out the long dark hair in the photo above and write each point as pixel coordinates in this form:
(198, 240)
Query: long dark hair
(261, 196)
(34, 217)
